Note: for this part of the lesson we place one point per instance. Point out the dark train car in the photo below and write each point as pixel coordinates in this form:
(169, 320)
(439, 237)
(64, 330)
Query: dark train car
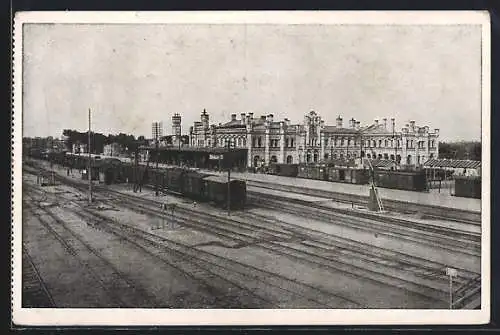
(318, 172)
(286, 170)
(468, 187)
(215, 190)
(112, 170)
(193, 184)
(173, 179)
(401, 180)
(347, 175)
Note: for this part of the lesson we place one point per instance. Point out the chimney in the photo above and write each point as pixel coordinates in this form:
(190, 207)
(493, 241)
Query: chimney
(352, 123)
(270, 117)
(376, 122)
(339, 122)
(412, 125)
(242, 118)
(436, 131)
(287, 122)
(358, 125)
(385, 123)
(251, 116)
(263, 117)
(233, 117)
(393, 125)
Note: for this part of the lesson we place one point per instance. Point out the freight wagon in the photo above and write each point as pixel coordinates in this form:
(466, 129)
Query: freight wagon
(401, 180)
(286, 170)
(215, 190)
(347, 175)
(317, 172)
(468, 187)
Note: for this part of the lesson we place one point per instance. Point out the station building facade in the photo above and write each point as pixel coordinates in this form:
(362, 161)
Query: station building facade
(268, 141)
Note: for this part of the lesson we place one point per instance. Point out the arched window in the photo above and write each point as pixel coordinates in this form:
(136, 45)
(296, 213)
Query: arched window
(287, 142)
(368, 156)
(259, 141)
(379, 156)
(392, 157)
(289, 159)
(408, 160)
(244, 142)
(380, 143)
(315, 157)
(274, 159)
(308, 157)
(385, 143)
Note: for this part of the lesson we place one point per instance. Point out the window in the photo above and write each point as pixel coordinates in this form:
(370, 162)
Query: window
(289, 159)
(326, 142)
(385, 143)
(386, 156)
(342, 142)
(348, 142)
(287, 142)
(291, 142)
(380, 143)
(259, 141)
(253, 142)
(245, 142)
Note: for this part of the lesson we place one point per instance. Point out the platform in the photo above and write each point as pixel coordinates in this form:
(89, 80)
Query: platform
(424, 198)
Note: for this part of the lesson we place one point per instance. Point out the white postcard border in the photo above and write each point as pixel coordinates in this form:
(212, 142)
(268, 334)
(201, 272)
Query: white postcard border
(154, 317)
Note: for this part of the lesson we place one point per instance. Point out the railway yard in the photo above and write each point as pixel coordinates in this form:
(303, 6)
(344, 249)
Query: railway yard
(290, 247)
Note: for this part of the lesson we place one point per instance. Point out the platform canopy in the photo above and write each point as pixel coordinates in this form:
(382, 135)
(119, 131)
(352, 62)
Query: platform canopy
(452, 163)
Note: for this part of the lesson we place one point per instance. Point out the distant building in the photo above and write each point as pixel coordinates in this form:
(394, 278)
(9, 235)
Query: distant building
(113, 149)
(156, 130)
(269, 141)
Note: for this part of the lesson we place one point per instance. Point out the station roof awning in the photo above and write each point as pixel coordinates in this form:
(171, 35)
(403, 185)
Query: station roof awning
(453, 163)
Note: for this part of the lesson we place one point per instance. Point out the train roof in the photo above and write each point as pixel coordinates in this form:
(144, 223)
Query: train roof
(220, 179)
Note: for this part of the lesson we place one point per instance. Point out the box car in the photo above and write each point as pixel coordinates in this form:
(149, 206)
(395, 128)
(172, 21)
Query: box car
(286, 170)
(193, 185)
(173, 179)
(215, 190)
(468, 187)
(402, 180)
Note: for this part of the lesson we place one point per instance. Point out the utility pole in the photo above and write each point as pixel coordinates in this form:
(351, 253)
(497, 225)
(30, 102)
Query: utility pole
(157, 125)
(228, 179)
(89, 172)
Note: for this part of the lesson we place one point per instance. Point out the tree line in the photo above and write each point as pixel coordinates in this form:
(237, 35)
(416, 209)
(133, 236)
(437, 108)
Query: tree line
(460, 150)
(97, 140)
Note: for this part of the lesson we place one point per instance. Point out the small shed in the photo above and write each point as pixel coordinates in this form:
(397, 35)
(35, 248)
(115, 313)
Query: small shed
(452, 167)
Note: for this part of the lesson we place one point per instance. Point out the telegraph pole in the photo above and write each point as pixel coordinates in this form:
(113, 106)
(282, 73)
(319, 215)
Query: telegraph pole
(157, 126)
(228, 180)
(89, 172)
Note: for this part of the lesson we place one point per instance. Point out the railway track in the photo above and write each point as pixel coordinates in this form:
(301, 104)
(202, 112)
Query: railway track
(225, 277)
(121, 289)
(357, 259)
(435, 212)
(35, 293)
(449, 239)
(370, 265)
(213, 267)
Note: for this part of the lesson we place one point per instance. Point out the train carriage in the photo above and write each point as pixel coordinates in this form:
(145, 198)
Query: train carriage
(215, 190)
(193, 184)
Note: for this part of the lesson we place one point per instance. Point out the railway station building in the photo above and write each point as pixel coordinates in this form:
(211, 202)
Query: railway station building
(312, 141)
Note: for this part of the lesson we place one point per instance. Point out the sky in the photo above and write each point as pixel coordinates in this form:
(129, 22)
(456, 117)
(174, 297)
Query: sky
(132, 75)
